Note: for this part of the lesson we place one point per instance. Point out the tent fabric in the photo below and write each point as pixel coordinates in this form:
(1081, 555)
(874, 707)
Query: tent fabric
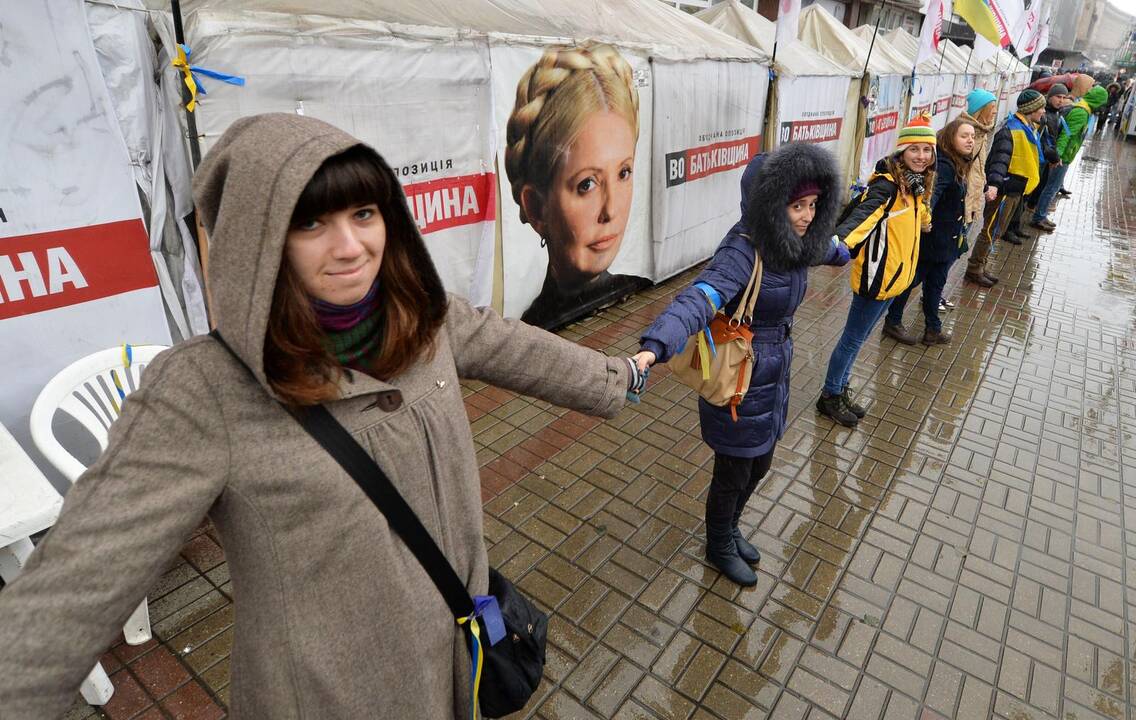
(669, 33)
(828, 36)
(884, 47)
(798, 59)
(962, 58)
(944, 62)
(124, 50)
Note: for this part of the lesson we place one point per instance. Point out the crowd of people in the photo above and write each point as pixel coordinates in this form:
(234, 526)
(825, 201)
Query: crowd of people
(324, 294)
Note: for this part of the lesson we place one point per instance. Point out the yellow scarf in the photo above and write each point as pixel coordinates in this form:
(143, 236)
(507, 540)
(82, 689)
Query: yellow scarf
(1026, 160)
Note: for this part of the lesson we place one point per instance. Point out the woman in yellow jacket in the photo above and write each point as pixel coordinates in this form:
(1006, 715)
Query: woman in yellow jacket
(881, 229)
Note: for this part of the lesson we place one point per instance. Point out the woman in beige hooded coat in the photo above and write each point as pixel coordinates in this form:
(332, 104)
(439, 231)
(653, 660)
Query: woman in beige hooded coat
(335, 618)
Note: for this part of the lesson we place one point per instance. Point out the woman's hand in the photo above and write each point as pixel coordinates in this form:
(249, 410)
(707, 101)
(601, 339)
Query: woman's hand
(991, 193)
(644, 359)
(843, 256)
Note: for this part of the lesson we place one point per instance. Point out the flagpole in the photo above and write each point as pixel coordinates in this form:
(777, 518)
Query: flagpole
(966, 69)
(942, 54)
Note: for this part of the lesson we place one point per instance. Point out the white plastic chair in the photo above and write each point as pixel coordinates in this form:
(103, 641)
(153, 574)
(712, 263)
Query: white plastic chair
(91, 390)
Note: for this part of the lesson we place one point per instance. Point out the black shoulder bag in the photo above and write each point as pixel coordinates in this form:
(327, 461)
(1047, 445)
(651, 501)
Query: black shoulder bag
(512, 667)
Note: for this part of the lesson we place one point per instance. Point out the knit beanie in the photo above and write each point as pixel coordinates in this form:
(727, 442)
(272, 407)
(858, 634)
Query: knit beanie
(917, 130)
(1029, 101)
(978, 99)
(806, 188)
(1057, 89)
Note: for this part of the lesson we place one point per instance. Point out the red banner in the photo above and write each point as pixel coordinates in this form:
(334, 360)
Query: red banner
(452, 202)
(51, 270)
(883, 123)
(811, 131)
(697, 163)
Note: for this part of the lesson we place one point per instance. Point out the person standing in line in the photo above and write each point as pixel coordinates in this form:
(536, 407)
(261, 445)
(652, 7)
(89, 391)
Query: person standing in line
(1013, 168)
(790, 202)
(324, 294)
(1053, 171)
(981, 110)
(1082, 83)
(881, 229)
(1077, 124)
(942, 245)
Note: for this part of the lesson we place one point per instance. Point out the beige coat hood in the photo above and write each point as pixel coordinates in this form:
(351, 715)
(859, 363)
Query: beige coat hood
(247, 218)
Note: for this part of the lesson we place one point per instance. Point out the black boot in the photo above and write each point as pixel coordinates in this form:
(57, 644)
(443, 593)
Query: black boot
(746, 551)
(721, 550)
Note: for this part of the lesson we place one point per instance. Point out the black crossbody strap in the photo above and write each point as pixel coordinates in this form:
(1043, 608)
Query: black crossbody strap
(334, 438)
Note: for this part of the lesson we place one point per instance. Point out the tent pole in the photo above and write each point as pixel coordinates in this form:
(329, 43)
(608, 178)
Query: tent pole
(769, 117)
(968, 57)
(190, 120)
(942, 54)
(873, 45)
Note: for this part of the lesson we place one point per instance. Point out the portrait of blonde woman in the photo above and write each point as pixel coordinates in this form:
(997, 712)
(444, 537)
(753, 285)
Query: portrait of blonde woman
(570, 161)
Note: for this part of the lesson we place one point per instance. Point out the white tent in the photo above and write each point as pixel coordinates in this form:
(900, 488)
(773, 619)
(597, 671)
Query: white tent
(883, 87)
(1005, 76)
(432, 85)
(935, 78)
(968, 79)
(811, 91)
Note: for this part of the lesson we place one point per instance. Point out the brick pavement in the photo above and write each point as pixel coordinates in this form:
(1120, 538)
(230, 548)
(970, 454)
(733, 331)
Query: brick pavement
(968, 552)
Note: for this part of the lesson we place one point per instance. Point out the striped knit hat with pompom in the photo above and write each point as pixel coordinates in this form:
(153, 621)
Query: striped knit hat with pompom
(917, 130)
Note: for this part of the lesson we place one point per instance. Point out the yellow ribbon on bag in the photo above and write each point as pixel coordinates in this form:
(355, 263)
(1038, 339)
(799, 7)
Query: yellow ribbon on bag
(477, 656)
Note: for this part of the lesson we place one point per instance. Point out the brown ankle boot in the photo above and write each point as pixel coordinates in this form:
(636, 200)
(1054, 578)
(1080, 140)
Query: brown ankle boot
(899, 333)
(979, 279)
(936, 337)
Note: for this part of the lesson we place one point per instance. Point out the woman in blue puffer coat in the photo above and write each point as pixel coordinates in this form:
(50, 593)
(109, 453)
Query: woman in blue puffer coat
(790, 203)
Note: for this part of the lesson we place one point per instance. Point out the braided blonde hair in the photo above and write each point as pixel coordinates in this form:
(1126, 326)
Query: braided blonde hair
(555, 97)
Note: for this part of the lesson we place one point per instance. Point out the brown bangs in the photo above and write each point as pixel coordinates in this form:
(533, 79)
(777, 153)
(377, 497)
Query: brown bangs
(347, 180)
(946, 145)
(412, 302)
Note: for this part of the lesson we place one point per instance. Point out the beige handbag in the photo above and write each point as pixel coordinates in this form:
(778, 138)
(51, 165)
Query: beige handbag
(717, 362)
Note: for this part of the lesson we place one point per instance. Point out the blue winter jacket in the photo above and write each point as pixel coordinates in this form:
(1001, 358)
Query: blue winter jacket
(766, 184)
(948, 201)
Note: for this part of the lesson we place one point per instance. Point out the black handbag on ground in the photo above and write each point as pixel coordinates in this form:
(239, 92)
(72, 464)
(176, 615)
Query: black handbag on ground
(511, 668)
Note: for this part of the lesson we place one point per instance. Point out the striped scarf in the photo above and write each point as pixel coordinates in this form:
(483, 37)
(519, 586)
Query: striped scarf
(352, 333)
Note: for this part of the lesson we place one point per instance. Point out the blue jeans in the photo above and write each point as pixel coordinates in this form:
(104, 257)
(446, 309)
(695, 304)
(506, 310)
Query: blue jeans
(933, 275)
(863, 315)
(1052, 185)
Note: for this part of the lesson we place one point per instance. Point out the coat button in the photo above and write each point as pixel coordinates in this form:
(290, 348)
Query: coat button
(387, 401)
(441, 384)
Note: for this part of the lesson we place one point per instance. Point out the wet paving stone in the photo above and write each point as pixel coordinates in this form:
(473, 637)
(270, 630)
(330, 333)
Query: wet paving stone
(969, 551)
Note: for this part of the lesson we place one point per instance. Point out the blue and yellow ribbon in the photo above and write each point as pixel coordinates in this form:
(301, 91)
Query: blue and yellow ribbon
(192, 75)
(477, 658)
(127, 359)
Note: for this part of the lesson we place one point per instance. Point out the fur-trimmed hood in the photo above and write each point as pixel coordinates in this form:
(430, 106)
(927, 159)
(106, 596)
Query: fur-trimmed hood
(767, 183)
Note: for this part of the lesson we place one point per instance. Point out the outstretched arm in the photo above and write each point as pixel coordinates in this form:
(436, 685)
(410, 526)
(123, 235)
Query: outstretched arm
(520, 357)
(122, 523)
(720, 282)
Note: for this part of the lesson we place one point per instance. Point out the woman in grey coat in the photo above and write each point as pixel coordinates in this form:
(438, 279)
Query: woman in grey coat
(324, 289)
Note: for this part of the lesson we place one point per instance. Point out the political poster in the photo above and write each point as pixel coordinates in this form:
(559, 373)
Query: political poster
(708, 126)
(963, 85)
(811, 109)
(885, 103)
(76, 274)
(574, 127)
(944, 93)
